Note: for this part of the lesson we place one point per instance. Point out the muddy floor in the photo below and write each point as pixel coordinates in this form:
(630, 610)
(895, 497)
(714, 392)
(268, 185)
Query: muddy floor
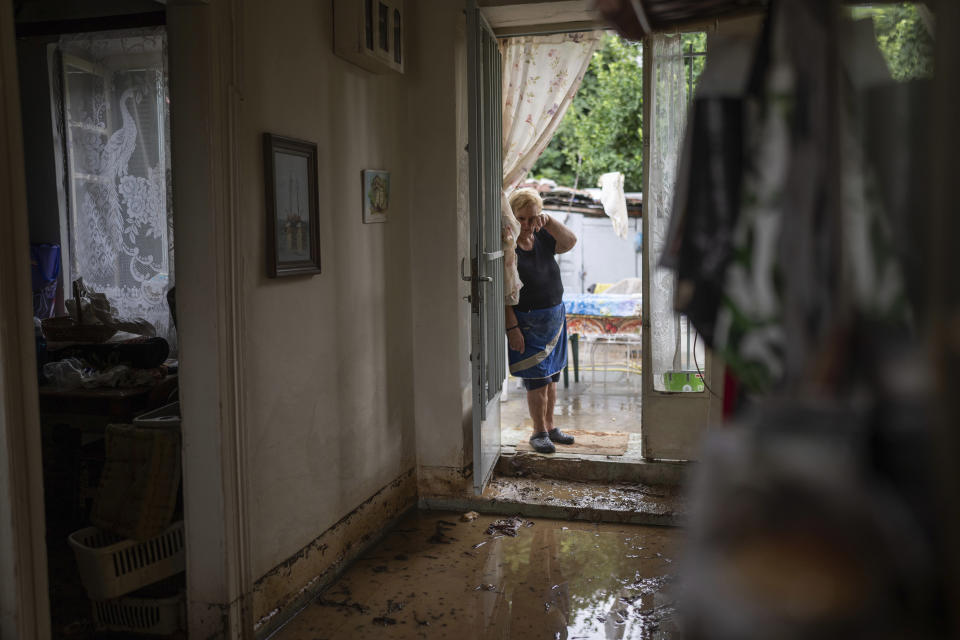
(436, 576)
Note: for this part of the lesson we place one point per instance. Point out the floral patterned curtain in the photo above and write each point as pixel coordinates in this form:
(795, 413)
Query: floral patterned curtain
(113, 88)
(668, 112)
(541, 74)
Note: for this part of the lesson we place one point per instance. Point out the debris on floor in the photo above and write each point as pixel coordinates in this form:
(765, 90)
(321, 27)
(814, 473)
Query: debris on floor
(508, 526)
(469, 516)
(475, 581)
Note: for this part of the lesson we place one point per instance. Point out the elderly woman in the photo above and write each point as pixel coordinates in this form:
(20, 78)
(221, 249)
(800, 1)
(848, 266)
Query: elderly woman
(537, 325)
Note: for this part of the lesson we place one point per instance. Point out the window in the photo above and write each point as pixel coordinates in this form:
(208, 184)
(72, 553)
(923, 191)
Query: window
(397, 38)
(113, 94)
(384, 27)
(368, 23)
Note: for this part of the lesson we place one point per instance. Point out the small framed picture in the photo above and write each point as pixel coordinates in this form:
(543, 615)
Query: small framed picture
(293, 216)
(376, 195)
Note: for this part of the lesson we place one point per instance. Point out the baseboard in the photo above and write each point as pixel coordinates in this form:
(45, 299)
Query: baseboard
(445, 482)
(291, 585)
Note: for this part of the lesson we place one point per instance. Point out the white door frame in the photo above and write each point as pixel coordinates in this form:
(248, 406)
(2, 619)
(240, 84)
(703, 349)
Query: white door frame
(24, 604)
(205, 94)
(672, 424)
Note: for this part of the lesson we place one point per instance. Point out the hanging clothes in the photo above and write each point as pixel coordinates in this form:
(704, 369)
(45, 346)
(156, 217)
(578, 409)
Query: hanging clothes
(778, 235)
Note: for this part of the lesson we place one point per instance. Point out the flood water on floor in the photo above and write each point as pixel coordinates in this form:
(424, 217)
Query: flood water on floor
(435, 576)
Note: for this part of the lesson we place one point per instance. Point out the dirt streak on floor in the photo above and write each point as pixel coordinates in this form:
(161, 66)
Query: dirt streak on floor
(436, 576)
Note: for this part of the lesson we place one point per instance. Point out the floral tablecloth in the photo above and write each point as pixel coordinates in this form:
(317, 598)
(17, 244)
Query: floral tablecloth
(610, 314)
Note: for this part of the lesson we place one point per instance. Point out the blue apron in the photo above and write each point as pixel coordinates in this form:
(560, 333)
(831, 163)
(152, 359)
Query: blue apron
(545, 343)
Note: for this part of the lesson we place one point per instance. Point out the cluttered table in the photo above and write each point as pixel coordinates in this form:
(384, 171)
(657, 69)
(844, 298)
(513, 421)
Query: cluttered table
(604, 314)
(93, 409)
(601, 318)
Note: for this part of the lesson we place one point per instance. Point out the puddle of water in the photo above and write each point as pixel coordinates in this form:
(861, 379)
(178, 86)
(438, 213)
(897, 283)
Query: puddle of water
(554, 579)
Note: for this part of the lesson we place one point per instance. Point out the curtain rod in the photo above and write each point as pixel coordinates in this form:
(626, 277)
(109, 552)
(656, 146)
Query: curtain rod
(550, 29)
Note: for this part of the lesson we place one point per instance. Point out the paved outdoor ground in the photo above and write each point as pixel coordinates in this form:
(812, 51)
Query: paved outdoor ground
(601, 401)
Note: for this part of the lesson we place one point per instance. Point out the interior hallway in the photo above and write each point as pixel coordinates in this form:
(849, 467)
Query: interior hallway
(436, 576)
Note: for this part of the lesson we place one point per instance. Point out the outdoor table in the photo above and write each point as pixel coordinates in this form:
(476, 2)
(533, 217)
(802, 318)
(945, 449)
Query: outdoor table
(602, 318)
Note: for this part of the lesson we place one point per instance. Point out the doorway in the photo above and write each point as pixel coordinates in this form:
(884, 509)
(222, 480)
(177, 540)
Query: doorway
(204, 134)
(96, 132)
(603, 390)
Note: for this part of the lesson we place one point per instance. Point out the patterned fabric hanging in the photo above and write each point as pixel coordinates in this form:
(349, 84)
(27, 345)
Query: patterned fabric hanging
(541, 74)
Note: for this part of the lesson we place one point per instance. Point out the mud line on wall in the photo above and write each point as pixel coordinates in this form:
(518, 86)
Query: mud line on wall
(289, 586)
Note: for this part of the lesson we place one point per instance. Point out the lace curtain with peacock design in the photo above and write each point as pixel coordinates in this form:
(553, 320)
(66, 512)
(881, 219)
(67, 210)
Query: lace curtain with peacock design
(113, 87)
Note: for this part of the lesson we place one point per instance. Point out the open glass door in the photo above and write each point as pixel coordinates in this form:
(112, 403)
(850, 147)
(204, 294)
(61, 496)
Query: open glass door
(486, 255)
(680, 388)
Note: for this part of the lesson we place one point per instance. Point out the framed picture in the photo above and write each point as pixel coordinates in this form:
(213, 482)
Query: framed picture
(376, 195)
(293, 225)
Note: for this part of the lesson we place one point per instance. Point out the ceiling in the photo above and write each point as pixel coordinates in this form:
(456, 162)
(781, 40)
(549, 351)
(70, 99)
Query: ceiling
(514, 17)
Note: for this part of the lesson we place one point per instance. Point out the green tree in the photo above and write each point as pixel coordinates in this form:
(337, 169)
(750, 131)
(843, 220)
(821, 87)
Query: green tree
(602, 130)
(903, 39)
(694, 46)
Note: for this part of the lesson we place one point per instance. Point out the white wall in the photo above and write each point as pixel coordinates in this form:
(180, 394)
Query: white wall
(340, 367)
(327, 358)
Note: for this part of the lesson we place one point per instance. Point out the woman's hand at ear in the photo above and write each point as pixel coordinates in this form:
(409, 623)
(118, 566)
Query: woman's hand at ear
(541, 222)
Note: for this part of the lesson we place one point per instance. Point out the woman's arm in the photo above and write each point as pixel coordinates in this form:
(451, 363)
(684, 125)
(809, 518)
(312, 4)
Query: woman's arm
(564, 238)
(514, 335)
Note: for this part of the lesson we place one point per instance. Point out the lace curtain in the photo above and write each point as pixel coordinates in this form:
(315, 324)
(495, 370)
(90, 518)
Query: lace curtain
(668, 111)
(541, 74)
(113, 88)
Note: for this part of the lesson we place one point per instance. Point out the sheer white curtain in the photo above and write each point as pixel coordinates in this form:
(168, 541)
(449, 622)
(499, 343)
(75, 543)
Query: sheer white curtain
(541, 74)
(113, 88)
(668, 112)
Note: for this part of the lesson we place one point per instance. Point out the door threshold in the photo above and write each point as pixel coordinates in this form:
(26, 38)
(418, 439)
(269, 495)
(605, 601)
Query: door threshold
(571, 500)
(584, 468)
(629, 467)
(510, 437)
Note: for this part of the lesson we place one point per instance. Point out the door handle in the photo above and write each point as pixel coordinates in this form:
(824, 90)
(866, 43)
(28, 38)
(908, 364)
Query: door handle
(468, 278)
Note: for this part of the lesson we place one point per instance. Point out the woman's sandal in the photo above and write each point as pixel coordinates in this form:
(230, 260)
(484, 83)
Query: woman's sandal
(559, 436)
(540, 442)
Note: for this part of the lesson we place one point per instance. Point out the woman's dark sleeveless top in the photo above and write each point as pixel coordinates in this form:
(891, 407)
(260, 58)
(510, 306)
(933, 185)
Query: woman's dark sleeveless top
(539, 273)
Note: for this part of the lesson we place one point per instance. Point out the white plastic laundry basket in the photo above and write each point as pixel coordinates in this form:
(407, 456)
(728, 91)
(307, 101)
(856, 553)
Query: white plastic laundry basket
(153, 616)
(111, 566)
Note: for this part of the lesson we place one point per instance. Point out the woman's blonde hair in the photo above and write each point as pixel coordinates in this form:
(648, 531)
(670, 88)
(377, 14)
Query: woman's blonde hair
(525, 197)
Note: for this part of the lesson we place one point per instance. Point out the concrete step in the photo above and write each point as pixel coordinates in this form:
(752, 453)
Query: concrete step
(629, 467)
(592, 468)
(629, 503)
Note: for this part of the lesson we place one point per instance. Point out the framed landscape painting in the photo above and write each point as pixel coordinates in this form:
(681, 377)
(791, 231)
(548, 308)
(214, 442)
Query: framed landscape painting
(376, 195)
(293, 229)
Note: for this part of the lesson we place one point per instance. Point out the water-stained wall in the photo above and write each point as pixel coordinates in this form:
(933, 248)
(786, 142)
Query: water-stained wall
(352, 374)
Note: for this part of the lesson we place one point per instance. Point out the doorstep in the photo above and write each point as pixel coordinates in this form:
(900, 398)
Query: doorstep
(627, 503)
(630, 467)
